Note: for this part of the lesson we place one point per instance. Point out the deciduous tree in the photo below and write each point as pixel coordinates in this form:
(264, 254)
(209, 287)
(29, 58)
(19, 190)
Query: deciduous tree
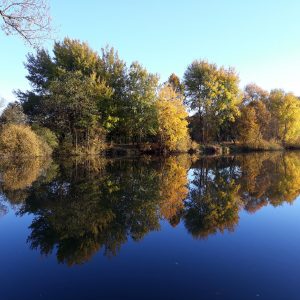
(213, 94)
(285, 110)
(173, 132)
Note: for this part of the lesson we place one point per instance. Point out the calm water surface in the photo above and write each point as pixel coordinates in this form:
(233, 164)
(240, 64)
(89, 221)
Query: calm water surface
(149, 228)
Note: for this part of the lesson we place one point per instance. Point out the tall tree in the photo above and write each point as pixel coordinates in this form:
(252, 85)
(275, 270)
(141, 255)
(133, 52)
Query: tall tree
(69, 93)
(285, 110)
(73, 110)
(249, 129)
(76, 56)
(262, 117)
(140, 119)
(173, 132)
(213, 94)
(114, 71)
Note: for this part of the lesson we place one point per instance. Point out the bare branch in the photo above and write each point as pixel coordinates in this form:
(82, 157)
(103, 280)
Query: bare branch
(28, 18)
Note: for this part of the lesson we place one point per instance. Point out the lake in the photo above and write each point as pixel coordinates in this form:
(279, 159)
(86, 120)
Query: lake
(180, 227)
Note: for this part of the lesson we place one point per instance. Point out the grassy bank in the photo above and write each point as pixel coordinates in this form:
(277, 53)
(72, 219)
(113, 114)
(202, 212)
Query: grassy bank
(213, 148)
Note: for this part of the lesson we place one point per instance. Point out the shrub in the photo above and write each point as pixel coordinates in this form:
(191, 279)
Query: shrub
(21, 141)
(263, 145)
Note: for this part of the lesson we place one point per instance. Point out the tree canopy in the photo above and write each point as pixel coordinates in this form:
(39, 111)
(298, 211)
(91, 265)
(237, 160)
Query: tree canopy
(172, 120)
(213, 94)
(90, 99)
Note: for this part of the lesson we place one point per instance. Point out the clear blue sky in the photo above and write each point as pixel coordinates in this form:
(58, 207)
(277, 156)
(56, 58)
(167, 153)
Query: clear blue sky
(260, 38)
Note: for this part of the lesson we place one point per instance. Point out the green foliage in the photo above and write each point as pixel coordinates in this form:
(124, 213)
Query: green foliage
(214, 94)
(74, 101)
(68, 95)
(75, 56)
(114, 71)
(80, 95)
(140, 120)
(46, 135)
(41, 69)
(87, 99)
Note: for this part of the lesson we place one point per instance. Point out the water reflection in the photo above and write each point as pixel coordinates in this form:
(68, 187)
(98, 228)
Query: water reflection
(213, 204)
(17, 176)
(269, 178)
(82, 206)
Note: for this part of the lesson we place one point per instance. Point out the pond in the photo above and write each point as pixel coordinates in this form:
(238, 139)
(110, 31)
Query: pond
(180, 227)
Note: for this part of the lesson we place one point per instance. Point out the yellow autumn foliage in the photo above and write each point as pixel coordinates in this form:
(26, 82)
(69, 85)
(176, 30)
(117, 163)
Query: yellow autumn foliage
(172, 121)
(19, 174)
(285, 108)
(269, 178)
(173, 189)
(21, 141)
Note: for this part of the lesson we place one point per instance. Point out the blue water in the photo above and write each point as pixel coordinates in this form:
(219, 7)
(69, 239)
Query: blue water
(259, 259)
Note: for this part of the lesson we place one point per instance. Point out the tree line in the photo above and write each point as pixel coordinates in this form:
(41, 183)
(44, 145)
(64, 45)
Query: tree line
(82, 100)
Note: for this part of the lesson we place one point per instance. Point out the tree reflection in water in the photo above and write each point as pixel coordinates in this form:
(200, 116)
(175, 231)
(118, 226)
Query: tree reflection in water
(82, 206)
(213, 203)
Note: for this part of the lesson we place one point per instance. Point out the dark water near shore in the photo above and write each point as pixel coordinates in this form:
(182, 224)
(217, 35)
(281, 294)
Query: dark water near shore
(150, 228)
